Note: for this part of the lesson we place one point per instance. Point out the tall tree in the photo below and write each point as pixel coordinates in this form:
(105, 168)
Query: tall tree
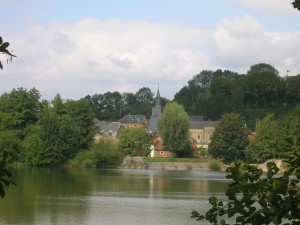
(82, 115)
(270, 141)
(20, 108)
(135, 142)
(264, 86)
(229, 139)
(144, 96)
(173, 127)
(292, 90)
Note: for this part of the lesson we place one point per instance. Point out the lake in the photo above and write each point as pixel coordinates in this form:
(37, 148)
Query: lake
(110, 197)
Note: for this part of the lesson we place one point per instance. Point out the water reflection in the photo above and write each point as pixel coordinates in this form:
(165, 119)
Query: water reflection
(90, 196)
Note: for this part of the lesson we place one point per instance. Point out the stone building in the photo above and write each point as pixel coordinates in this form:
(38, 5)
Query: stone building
(134, 122)
(106, 129)
(201, 131)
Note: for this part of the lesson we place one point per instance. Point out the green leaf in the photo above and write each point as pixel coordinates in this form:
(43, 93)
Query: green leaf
(213, 201)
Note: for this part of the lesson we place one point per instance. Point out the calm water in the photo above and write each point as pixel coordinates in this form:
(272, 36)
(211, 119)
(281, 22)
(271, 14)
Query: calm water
(108, 197)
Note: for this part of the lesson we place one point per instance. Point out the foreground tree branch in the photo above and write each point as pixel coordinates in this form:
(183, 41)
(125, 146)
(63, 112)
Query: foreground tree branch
(4, 50)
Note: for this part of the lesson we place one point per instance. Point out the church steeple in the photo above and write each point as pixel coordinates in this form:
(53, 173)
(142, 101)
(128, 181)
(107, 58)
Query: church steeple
(156, 109)
(157, 98)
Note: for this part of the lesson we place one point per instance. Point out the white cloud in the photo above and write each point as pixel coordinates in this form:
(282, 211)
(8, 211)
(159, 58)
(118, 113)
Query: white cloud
(95, 56)
(270, 6)
(243, 41)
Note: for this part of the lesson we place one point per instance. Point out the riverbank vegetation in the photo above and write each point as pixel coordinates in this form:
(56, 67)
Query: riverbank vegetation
(103, 154)
(36, 132)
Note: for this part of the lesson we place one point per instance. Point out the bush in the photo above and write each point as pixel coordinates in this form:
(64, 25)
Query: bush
(214, 165)
(103, 154)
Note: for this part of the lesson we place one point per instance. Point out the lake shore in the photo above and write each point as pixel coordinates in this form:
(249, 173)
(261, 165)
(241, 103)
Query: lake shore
(140, 163)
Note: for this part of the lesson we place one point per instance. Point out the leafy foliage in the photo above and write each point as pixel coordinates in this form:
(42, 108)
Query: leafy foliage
(173, 126)
(103, 154)
(59, 133)
(253, 95)
(229, 139)
(5, 175)
(270, 141)
(3, 50)
(257, 199)
(135, 142)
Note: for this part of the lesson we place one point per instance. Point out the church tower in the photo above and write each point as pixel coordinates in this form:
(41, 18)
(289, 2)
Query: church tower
(156, 109)
(156, 112)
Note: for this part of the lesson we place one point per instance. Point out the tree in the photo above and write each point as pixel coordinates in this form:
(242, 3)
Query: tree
(63, 129)
(256, 199)
(296, 4)
(5, 175)
(261, 68)
(229, 139)
(135, 142)
(270, 141)
(144, 96)
(11, 144)
(20, 108)
(82, 115)
(173, 128)
(292, 90)
(3, 50)
(264, 86)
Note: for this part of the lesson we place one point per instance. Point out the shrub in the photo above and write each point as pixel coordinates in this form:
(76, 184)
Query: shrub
(214, 165)
(103, 154)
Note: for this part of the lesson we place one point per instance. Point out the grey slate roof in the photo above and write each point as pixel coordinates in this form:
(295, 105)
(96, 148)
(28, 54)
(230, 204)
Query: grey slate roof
(107, 126)
(202, 124)
(133, 119)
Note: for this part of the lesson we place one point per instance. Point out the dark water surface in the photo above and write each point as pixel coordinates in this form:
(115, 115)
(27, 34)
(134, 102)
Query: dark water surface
(108, 197)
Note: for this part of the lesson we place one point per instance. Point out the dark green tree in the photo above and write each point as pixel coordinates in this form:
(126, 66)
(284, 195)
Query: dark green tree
(264, 86)
(20, 108)
(135, 142)
(5, 175)
(11, 144)
(229, 139)
(292, 90)
(173, 127)
(82, 115)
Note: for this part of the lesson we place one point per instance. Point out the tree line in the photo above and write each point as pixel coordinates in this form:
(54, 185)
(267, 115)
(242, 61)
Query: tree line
(42, 133)
(253, 95)
(275, 138)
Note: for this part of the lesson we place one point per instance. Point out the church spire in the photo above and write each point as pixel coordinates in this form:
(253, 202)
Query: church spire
(157, 98)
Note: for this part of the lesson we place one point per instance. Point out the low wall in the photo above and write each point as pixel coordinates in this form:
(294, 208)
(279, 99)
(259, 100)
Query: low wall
(138, 163)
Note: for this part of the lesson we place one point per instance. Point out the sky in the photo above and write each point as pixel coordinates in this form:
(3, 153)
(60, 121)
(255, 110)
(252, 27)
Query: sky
(79, 48)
